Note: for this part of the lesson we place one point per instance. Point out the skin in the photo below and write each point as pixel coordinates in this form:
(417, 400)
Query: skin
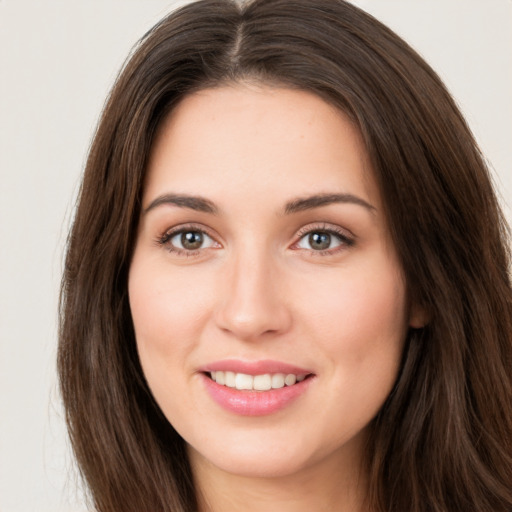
(256, 289)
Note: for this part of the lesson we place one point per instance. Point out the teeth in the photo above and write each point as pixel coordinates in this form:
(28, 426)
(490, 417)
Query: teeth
(263, 382)
(278, 381)
(290, 379)
(244, 381)
(229, 379)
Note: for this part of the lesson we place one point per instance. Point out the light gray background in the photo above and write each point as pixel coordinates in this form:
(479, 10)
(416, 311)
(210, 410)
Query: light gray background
(57, 62)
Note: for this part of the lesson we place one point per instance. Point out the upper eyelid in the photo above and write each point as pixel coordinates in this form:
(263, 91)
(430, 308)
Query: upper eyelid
(325, 226)
(192, 226)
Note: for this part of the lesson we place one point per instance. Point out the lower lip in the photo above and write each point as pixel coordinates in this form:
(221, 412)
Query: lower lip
(255, 403)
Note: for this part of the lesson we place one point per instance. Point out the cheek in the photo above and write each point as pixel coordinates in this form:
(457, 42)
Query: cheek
(370, 298)
(360, 320)
(168, 312)
(164, 306)
(360, 324)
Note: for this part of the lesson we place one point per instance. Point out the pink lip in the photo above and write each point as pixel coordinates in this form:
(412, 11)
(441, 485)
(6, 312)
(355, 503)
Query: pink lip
(254, 367)
(254, 403)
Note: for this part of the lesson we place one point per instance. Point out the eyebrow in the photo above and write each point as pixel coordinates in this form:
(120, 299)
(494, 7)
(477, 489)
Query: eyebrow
(201, 204)
(318, 200)
(197, 203)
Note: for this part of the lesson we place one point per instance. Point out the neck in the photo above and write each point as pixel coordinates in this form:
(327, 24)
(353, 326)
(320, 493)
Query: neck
(323, 486)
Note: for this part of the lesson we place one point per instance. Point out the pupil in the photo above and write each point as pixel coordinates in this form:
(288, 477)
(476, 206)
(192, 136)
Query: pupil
(191, 240)
(320, 241)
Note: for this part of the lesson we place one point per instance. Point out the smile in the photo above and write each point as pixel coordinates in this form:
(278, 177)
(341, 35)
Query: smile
(264, 382)
(256, 393)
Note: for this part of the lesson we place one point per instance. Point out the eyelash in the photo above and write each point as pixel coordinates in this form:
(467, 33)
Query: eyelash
(346, 240)
(343, 237)
(165, 239)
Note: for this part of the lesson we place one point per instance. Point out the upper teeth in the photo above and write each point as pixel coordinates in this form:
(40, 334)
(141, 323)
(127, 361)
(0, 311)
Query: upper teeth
(256, 382)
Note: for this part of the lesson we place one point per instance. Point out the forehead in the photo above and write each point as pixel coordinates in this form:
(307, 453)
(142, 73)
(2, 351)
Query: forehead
(243, 139)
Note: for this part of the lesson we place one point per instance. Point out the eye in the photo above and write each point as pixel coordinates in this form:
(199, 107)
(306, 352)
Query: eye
(323, 240)
(187, 240)
(191, 240)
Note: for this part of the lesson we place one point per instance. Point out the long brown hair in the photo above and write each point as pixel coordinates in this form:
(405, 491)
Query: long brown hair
(443, 440)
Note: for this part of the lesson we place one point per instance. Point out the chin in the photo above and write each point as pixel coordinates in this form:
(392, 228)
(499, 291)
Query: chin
(268, 454)
(254, 462)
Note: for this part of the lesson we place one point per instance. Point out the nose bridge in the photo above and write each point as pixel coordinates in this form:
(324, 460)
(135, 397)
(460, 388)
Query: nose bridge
(252, 302)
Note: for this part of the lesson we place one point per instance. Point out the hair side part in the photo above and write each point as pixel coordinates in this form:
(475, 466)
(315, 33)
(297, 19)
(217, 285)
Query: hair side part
(443, 440)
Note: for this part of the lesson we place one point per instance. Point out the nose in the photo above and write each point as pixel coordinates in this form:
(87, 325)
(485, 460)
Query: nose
(254, 301)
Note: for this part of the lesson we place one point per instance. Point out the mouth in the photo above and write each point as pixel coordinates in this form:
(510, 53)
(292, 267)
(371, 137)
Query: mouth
(255, 388)
(262, 382)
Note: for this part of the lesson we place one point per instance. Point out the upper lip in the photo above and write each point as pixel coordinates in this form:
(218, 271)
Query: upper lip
(254, 367)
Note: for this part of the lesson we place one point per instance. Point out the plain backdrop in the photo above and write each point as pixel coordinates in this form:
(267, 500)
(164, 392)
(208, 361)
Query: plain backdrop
(58, 59)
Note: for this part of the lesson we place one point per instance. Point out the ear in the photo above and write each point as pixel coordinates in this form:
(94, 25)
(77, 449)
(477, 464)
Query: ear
(419, 317)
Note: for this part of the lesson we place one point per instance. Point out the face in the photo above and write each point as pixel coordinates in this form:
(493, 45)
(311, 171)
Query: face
(268, 302)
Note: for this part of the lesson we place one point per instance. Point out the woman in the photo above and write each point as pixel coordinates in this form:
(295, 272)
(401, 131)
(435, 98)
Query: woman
(287, 283)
